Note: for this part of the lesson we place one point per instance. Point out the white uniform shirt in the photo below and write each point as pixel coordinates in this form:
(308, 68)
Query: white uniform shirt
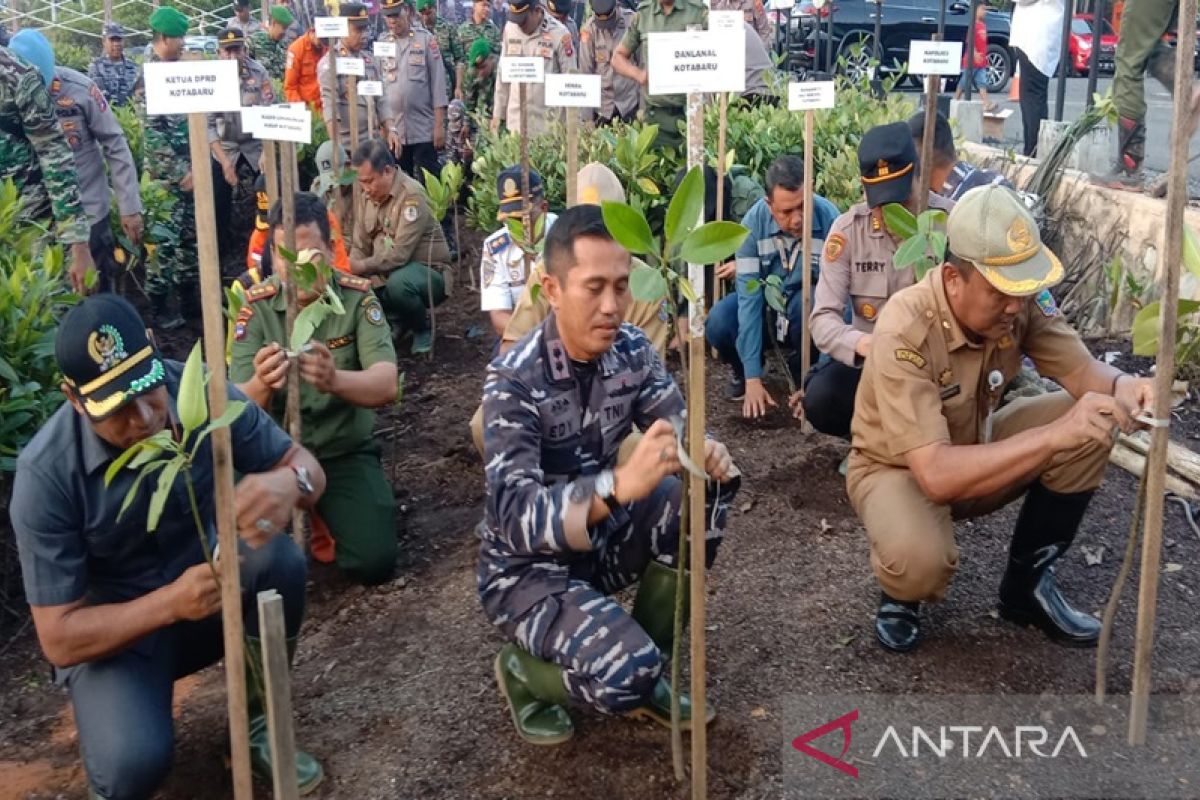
(1037, 31)
(502, 270)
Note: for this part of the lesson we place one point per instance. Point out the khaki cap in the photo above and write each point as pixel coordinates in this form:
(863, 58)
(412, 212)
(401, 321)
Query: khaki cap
(991, 228)
(597, 184)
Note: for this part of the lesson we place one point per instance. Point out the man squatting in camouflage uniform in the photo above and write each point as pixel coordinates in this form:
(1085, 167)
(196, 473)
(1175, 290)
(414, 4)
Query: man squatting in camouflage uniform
(95, 138)
(562, 528)
(35, 156)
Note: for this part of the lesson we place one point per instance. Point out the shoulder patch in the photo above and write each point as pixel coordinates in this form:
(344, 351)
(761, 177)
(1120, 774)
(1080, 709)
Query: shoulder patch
(98, 96)
(243, 322)
(1045, 302)
(373, 311)
(261, 291)
(411, 210)
(499, 243)
(911, 356)
(351, 281)
(834, 246)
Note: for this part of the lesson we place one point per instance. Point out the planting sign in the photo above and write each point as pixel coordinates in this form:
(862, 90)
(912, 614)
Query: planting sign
(370, 88)
(351, 66)
(810, 95)
(696, 61)
(192, 87)
(576, 91)
(331, 27)
(935, 58)
(385, 49)
(279, 123)
(523, 69)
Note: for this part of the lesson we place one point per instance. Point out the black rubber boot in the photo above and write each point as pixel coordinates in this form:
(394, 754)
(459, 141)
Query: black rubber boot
(1029, 595)
(897, 624)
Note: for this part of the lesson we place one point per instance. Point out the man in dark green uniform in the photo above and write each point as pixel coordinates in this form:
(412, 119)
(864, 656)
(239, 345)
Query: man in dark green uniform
(347, 369)
(480, 26)
(454, 56)
(269, 47)
(658, 16)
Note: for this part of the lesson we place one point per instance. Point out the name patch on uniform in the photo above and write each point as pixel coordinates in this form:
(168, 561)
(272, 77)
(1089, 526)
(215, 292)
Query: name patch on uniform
(834, 246)
(1045, 301)
(559, 419)
(499, 244)
(911, 356)
(869, 266)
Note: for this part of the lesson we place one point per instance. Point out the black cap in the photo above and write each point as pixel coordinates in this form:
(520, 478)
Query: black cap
(560, 6)
(241, 3)
(887, 161)
(517, 9)
(508, 187)
(105, 354)
(391, 8)
(113, 31)
(603, 8)
(356, 13)
(230, 37)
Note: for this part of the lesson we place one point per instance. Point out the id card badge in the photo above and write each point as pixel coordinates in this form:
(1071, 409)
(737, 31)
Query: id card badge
(781, 328)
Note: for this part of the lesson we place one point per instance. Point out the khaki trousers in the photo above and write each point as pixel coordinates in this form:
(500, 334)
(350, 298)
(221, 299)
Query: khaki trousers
(913, 551)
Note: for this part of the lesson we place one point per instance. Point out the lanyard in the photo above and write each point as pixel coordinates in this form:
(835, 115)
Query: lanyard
(788, 263)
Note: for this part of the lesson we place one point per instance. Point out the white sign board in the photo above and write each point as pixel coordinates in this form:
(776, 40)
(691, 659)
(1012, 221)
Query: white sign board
(782, 5)
(331, 27)
(192, 87)
(385, 49)
(726, 21)
(697, 61)
(280, 123)
(574, 91)
(934, 58)
(522, 69)
(810, 95)
(370, 88)
(351, 66)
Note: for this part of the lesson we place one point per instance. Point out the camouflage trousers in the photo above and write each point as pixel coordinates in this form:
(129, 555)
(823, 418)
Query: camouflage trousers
(175, 264)
(609, 661)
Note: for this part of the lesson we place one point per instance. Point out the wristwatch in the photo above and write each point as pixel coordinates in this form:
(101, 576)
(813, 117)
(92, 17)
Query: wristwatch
(606, 489)
(303, 482)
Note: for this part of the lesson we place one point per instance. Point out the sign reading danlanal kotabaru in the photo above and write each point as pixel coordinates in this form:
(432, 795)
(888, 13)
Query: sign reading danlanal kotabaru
(697, 61)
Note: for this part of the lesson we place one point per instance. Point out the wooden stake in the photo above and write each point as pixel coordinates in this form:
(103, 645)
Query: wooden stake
(222, 454)
(806, 256)
(1172, 247)
(372, 122)
(719, 288)
(696, 486)
(271, 170)
(352, 104)
(923, 188)
(288, 190)
(278, 695)
(335, 135)
(572, 156)
(526, 210)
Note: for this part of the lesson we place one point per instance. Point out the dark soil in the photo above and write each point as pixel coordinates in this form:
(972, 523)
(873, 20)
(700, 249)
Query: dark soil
(394, 691)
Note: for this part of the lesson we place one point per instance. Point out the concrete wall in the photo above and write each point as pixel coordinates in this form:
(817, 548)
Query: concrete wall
(1094, 223)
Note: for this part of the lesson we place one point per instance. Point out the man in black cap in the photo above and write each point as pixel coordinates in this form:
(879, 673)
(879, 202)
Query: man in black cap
(531, 32)
(598, 41)
(120, 611)
(113, 72)
(561, 10)
(242, 20)
(856, 270)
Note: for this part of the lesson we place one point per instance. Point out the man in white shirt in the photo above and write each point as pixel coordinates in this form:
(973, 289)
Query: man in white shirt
(1036, 39)
(502, 268)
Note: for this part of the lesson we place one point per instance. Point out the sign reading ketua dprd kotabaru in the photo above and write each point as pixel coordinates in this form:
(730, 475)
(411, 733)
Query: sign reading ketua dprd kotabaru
(192, 87)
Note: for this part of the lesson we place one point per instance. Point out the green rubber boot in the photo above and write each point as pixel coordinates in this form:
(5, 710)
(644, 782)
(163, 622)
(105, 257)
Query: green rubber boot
(535, 694)
(309, 773)
(654, 610)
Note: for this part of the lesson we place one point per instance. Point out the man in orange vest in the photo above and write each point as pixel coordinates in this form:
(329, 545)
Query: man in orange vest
(300, 76)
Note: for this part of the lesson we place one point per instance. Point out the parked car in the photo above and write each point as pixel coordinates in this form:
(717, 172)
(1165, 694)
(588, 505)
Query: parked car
(200, 44)
(903, 21)
(1080, 45)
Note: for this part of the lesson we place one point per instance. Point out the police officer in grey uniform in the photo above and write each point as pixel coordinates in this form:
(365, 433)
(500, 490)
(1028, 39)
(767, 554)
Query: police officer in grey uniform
(230, 144)
(564, 526)
(95, 137)
(115, 74)
(414, 83)
(598, 40)
(355, 46)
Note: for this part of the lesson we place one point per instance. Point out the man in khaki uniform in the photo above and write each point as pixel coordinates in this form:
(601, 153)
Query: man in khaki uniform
(334, 86)
(599, 39)
(755, 14)
(230, 145)
(596, 184)
(397, 243)
(530, 31)
(856, 270)
(931, 444)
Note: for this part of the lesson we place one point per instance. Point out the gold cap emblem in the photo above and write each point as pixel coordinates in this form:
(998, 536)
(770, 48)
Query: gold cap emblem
(882, 169)
(1019, 238)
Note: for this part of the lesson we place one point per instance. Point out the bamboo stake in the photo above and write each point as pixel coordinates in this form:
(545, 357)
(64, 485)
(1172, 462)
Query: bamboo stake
(923, 185)
(288, 190)
(695, 442)
(372, 122)
(572, 156)
(1177, 199)
(335, 134)
(806, 259)
(719, 288)
(222, 454)
(352, 104)
(526, 210)
(271, 170)
(278, 696)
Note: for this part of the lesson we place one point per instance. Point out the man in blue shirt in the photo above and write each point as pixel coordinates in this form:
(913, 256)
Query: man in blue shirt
(950, 177)
(737, 323)
(123, 612)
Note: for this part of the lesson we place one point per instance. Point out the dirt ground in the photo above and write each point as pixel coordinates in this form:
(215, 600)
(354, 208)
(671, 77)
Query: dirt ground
(393, 687)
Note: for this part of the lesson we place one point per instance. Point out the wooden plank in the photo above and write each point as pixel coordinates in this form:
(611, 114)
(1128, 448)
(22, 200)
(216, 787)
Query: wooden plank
(277, 694)
(288, 191)
(271, 171)
(1156, 459)
(352, 104)
(222, 453)
(696, 486)
(932, 82)
(526, 210)
(806, 257)
(572, 157)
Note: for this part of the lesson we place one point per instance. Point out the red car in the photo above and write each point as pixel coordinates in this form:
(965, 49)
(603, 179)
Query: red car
(1081, 45)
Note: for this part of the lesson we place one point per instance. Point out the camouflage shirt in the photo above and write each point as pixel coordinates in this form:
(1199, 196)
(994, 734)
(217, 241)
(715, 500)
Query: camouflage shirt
(544, 443)
(452, 48)
(478, 90)
(270, 53)
(35, 154)
(468, 32)
(116, 79)
(165, 153)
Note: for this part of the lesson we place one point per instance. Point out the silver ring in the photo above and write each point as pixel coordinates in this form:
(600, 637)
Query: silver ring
(264, 525)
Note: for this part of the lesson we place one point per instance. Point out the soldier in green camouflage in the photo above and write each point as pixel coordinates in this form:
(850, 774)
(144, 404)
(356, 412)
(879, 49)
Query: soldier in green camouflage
(34, 154)
(479, 81)
(453, 55)
(269, 47)
(166, 158)
(480, 26)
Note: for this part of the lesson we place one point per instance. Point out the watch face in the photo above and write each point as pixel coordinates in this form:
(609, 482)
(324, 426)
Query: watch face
(604, 484)
(582, 490)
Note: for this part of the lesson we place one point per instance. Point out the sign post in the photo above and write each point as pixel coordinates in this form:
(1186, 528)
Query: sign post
(331, 29)
(572, 92)
(932, 59)
(198, 88)
(523, 70)
(731, 23)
